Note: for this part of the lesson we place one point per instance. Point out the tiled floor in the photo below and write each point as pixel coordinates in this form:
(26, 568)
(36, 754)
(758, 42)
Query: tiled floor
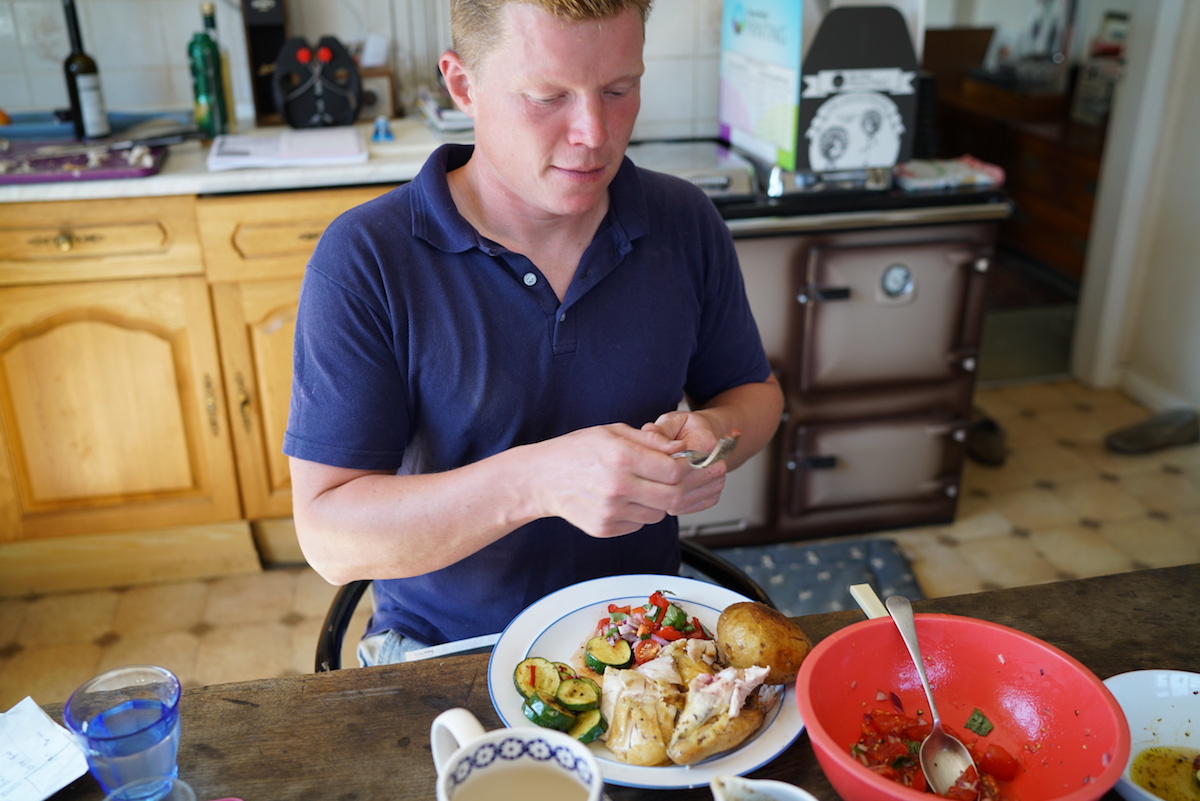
(1061, 507)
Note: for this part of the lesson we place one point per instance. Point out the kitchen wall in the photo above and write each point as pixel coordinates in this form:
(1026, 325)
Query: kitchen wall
(141, 46)
(1138, 325)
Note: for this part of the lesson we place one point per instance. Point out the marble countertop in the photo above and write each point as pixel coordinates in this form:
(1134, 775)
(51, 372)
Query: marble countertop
(184, 172)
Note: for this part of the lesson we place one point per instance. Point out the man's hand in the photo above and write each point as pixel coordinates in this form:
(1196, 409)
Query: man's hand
(695, 432)
(611, 480)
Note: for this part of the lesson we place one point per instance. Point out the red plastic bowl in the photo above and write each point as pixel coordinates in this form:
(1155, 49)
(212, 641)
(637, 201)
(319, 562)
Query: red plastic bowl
(1050, 712)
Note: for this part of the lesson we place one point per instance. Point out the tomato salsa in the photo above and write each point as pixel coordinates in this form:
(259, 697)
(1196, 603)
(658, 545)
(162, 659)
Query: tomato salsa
(890, 741)
(648, 628)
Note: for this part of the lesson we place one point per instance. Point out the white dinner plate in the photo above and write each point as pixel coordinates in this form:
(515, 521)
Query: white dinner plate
(557, 625)
(1161, 708)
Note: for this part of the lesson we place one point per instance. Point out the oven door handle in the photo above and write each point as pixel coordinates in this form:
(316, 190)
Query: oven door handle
(827, 293)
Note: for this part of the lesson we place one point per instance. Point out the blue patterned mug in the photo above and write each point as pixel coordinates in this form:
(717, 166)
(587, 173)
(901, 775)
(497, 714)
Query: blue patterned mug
(525, 764)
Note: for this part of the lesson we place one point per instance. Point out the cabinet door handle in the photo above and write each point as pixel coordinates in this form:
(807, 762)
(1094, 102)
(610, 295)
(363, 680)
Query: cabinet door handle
(243, 401)
(210, 405)
(65, 242)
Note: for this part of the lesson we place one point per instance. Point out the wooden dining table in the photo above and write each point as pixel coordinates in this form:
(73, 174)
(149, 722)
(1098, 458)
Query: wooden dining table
(362, 734)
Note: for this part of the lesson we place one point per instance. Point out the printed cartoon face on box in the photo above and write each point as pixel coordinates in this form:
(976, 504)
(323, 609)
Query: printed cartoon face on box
(858, 103)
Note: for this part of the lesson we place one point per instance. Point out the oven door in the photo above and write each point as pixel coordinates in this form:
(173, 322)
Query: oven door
(887, 314)
(857, 464)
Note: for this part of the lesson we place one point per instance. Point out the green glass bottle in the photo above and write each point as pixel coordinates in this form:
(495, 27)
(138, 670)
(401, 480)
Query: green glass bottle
(207, 90)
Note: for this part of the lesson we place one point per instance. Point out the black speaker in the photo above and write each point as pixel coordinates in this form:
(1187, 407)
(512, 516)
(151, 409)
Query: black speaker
(316, 87)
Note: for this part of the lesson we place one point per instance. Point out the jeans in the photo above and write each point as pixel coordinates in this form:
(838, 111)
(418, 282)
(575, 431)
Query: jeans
(386, 648)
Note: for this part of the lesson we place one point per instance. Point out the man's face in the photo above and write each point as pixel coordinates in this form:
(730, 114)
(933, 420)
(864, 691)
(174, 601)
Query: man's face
(554, 106)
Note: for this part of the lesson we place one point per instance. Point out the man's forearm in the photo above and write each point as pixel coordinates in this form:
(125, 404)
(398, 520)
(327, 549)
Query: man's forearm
(753, 409)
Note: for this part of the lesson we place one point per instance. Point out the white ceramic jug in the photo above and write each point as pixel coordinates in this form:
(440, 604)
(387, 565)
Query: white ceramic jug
(736, 788)
(521, 764)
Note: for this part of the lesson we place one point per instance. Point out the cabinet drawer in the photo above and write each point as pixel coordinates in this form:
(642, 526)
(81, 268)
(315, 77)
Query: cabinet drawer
(1049, 233)
(88, 240)
(1067, 179)
(262, 237)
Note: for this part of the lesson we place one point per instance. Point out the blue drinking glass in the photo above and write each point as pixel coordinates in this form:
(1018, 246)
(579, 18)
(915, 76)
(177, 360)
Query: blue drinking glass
(127, 723)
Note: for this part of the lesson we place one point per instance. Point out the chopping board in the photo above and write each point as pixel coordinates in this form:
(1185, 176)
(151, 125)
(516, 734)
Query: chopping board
(27, 162)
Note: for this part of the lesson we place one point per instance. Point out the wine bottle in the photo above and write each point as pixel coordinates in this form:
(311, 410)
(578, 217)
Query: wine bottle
(83, 84)
(210, 27)
(207, 92)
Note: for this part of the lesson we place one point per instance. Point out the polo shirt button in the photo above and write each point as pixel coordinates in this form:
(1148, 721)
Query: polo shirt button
(530, 279)
(562, 317)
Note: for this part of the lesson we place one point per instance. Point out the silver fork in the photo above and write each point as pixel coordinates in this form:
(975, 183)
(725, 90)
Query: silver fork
(700, 459)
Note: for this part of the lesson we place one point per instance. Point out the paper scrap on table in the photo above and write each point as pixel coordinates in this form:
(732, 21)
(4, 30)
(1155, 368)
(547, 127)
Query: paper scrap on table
(37, 756)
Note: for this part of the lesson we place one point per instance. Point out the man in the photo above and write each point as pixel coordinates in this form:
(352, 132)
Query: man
(489, 359)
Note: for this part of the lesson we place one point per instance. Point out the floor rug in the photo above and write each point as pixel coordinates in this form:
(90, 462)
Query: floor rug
(807, 579)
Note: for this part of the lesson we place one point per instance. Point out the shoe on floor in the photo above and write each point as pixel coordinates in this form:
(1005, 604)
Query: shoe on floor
(1165, 430)
(986, 440)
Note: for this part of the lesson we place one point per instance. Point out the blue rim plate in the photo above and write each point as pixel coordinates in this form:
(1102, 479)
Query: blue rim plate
(557, 626)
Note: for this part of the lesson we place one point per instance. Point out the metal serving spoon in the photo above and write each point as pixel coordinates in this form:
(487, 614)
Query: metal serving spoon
(699, 459)
(943, 756)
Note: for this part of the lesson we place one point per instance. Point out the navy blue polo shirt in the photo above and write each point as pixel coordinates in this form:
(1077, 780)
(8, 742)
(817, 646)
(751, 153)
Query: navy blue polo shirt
(422, 346)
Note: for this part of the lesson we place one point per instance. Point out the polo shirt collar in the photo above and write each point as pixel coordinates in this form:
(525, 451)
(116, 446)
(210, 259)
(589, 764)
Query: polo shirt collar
(435, 218)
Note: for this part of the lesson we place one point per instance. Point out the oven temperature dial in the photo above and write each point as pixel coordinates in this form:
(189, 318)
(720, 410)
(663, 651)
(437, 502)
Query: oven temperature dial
(896, 281)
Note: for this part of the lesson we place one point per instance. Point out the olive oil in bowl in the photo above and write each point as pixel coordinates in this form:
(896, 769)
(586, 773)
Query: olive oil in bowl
(1168, 772)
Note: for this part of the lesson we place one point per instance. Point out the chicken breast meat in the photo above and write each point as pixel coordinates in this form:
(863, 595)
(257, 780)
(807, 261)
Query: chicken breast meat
(653, 720)
(641, 712)
(722, 710)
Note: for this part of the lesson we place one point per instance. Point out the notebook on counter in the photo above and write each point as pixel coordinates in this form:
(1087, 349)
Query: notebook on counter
(290, 148)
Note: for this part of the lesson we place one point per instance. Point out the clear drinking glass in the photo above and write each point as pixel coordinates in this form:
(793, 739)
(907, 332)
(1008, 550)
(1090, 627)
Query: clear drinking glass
(127, 723)
(156, 789)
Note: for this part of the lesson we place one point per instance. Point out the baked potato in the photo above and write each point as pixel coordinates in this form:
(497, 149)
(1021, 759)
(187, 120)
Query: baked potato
(751, 633)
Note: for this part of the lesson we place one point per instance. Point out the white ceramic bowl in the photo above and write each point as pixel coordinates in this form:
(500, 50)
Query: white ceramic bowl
(1162, 708)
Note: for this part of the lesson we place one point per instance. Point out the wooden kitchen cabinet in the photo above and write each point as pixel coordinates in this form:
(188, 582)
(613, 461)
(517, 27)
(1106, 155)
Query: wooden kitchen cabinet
(112, 409)
(256, 248)
(256, 321)
(124, 429)
(74, 241)
(1051, 164)
(256, 237)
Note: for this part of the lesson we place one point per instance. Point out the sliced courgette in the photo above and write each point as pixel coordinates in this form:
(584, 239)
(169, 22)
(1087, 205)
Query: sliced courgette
(588, 726)
(536, 673)
(600, 654)
(565, 671)
(578, 695)
(543, 710)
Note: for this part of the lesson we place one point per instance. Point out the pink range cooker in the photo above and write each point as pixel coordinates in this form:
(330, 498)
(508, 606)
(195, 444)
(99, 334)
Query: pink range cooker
(870, 303)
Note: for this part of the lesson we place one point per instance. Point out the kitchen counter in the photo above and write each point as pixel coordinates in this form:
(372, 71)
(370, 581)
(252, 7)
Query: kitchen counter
(185, 173)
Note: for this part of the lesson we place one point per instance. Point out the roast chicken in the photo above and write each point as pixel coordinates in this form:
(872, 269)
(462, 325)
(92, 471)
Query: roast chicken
(679, 709)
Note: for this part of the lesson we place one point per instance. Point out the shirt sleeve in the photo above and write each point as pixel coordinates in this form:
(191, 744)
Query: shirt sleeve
(348, 404)
(729, 349)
